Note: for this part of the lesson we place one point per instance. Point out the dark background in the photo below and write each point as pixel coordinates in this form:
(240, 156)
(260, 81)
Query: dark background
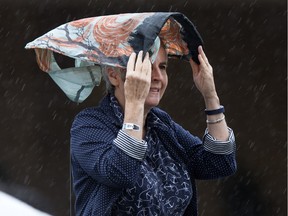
(246, 45)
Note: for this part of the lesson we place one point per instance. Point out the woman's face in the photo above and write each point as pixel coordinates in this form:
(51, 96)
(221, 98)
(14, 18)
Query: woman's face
(159, 82)
(159, 79)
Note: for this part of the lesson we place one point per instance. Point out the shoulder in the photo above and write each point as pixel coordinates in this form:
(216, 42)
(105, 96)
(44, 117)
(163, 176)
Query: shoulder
(89, 112)
(102, 113)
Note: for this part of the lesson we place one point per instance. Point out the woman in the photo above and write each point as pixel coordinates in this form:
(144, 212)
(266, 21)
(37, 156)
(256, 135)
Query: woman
(131, 158)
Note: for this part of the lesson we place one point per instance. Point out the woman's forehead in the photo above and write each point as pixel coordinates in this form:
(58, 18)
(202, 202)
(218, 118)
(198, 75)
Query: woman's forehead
(162, 56)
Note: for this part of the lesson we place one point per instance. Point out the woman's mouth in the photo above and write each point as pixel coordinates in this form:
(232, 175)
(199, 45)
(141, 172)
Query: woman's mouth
(154, 89)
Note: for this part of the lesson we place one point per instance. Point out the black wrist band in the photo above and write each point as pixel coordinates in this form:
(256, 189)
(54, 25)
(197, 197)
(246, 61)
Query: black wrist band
(216, 111)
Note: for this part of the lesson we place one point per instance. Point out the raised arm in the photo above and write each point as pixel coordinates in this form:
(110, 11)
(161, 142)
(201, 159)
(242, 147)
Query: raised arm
(204, 81)
(136, 88)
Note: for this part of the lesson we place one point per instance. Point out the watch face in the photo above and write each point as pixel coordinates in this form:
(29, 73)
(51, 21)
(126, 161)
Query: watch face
(130, 126)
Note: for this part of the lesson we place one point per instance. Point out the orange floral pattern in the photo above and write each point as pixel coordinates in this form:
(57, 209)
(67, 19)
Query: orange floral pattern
(113, 37)
(171, 37)
(82, 22)
(110, 40)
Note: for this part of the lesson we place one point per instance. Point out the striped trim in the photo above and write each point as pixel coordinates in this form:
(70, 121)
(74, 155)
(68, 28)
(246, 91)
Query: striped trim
(219, 147)
(131, 146)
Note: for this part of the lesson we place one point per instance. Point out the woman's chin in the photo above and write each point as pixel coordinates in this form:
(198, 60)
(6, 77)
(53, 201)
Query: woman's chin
(152, 102)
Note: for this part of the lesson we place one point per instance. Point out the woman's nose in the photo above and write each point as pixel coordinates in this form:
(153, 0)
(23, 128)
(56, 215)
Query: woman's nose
(156, 74)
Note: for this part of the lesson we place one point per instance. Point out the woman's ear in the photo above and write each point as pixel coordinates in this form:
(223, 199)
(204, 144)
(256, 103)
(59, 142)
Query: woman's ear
(113, 76)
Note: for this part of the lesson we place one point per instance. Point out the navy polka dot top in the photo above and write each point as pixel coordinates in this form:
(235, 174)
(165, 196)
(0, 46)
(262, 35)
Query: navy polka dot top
(115, 174)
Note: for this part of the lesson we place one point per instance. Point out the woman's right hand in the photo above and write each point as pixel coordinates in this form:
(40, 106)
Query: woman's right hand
(138, 78)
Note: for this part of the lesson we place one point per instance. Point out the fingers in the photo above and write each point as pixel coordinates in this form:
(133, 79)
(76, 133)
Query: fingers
(146, 67)
(202, 55)
(138, 78)
(201, 60)
(138, 65)
(131, 62)
(204, 66)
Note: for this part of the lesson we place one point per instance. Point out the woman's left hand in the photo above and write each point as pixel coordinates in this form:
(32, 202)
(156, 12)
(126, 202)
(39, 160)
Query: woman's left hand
(204, 81)
(203, 75)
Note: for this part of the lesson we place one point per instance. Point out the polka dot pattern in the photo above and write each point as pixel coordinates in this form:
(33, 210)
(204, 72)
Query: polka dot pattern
(101, 170)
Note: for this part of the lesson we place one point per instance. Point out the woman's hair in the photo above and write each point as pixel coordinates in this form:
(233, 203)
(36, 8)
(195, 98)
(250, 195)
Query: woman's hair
(109, 87)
